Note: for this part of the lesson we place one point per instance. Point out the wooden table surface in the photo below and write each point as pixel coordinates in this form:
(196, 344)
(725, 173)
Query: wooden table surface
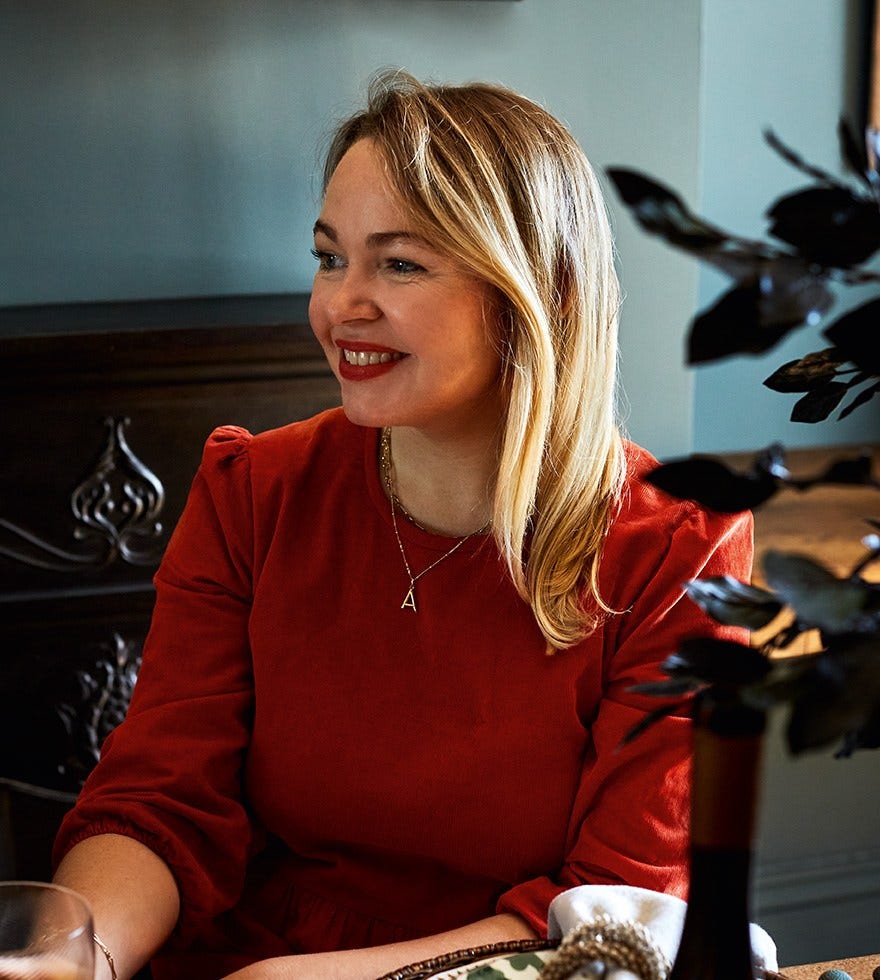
(858, 967)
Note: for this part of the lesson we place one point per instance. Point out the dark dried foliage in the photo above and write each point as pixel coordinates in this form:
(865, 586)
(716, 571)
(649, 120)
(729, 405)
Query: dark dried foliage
(826, 231)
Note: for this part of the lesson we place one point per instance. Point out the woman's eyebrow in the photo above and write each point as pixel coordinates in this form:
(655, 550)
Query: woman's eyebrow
(374, 240)
(328, 231)
(378, 238)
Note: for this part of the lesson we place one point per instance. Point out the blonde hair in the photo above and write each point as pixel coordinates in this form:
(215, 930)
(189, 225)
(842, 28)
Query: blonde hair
(494, 180)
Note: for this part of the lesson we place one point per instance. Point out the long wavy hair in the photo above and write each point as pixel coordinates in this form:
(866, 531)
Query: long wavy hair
(495, 181)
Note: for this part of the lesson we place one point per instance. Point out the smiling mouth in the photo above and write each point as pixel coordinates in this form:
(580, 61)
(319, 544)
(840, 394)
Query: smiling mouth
(362, 358)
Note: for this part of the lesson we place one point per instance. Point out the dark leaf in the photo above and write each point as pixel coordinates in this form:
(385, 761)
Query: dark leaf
(788, 678)
(819, 403)
(662, 212)
(731, 326)
(849, 471)
(830, 225)
(866, 737)
(756, 314)
(820, 599)
(855, 335)
(672, 687)
(658, 714)
(733, 603)
(840, 699)
(714, 661)
(816, 722)
(635, 187)
(807, 372)
(772, 461)
(713, 484)
(741, 261)
(796, 160)
(864, 396)
(789, 292)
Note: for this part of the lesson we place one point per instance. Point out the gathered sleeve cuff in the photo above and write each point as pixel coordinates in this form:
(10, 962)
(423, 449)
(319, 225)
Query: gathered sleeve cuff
(630, 820)
(170, 775)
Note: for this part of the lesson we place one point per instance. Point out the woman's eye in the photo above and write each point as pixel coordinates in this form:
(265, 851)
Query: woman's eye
(404, 267)
(326, 260)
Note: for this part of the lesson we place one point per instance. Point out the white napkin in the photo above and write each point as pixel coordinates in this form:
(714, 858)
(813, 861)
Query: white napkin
(662, 914)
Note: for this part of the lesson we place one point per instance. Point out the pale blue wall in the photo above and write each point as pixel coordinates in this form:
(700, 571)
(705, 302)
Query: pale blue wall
(159, 148)
(168, 147)
(788, 65)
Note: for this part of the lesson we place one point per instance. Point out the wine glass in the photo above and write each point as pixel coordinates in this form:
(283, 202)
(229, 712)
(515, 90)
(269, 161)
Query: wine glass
(45, 933)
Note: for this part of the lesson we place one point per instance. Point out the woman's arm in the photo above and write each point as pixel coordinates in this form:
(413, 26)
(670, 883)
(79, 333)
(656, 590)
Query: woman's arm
(367, 964)
(132, 894)
(170, 774)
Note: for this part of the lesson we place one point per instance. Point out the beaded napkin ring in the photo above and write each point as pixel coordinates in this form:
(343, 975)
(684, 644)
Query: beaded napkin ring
(626, 945)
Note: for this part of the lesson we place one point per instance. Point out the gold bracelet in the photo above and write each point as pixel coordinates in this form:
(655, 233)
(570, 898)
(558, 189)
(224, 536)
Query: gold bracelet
(107, 955)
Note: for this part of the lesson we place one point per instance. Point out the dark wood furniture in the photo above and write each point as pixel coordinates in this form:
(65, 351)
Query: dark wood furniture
(104, 409)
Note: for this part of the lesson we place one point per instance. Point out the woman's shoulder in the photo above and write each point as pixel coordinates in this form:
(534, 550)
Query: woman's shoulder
(640, 499)
(642, 507)
(256, 476)
(653, 535)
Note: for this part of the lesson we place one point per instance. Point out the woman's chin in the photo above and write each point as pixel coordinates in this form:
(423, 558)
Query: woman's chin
(369, 417)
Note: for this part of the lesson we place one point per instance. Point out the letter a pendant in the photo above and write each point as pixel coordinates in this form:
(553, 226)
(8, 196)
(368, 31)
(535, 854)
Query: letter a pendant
(410, 601)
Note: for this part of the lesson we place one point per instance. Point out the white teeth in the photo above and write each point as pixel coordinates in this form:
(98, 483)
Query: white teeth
(362, 357)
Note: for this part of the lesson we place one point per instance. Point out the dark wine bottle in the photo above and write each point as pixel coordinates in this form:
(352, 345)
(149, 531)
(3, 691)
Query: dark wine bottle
(715, 943)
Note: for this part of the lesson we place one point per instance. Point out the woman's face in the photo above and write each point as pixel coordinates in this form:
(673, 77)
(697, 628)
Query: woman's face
(408, 331)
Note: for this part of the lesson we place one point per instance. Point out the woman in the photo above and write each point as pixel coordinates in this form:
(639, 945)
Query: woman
(348, 749)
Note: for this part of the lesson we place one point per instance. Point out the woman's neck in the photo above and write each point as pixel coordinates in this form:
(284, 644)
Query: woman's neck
(444, 484)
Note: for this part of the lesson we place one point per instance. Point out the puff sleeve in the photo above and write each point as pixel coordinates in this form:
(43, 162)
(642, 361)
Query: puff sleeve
(630, 820)
(170, 775)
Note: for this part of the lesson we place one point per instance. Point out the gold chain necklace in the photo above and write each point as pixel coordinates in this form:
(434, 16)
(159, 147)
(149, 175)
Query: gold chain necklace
(409, 601)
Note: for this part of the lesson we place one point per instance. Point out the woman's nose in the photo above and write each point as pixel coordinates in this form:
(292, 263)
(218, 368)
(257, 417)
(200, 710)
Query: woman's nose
(351, 297)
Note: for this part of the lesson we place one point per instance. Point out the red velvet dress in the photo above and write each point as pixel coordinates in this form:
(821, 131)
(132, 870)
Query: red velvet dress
(323, 769)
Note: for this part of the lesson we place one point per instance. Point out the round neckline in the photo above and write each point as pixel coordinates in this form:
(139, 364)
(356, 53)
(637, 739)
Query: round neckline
(408, 530)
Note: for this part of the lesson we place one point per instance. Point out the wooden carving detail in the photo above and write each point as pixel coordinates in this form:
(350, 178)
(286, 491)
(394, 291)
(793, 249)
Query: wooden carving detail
(105, 691)
(116, 508)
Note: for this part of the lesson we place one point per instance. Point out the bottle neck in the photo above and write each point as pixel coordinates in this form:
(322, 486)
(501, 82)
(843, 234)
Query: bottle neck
(724, 789)
(715, 942)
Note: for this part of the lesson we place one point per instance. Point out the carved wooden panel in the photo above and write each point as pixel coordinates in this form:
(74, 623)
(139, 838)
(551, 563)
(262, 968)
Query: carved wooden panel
(104, 410)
